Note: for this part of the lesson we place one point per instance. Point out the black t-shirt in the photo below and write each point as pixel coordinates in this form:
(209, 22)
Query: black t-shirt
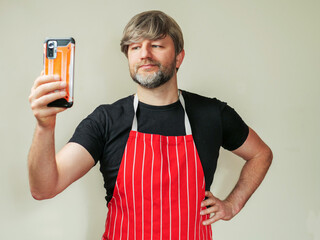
(104, 132)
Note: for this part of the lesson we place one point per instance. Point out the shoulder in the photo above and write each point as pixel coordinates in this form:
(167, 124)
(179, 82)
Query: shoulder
(103, 117)
(207, 112)
(95, 129)
(204, 113)
(115, 109)
(123, 102)
(196, 101)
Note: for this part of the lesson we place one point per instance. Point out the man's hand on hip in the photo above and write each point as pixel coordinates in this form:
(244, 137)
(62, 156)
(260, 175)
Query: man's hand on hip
(218, 208)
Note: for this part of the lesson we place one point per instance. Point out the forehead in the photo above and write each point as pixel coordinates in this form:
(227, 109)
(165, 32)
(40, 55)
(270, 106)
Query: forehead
(167, 39)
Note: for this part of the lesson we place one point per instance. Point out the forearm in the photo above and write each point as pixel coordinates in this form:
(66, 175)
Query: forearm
(258, 156)
(252, 174)
(43, 171)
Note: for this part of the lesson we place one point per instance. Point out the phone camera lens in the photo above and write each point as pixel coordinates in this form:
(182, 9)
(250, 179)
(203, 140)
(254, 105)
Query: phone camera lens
(50, 44)
(52, 49)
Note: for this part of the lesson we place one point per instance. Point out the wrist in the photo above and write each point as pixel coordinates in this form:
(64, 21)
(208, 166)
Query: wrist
(235, 206)
(43, 128)
(46, 123)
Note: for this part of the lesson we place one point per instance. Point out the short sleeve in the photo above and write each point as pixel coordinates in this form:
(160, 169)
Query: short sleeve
(234, 130)
(90, 133)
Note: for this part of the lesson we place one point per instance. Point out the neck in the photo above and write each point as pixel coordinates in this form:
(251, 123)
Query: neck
(163, 95)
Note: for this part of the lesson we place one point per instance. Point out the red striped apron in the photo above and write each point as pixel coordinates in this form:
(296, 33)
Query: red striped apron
(159, 189)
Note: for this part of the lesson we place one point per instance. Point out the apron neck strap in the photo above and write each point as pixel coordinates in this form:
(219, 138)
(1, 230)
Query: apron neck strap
(186, 119)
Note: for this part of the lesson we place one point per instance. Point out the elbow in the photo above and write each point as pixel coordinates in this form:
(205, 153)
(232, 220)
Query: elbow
(41, 191)
(38, 197)
(268, 156)
(41, 196)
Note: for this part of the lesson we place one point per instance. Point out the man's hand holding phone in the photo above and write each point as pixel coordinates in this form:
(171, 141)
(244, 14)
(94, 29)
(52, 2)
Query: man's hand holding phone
(52, 91)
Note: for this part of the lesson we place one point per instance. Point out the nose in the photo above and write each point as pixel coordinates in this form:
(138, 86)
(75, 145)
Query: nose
(145, 52)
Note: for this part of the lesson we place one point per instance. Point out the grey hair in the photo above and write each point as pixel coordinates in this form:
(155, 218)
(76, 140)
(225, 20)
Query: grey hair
(151, 25)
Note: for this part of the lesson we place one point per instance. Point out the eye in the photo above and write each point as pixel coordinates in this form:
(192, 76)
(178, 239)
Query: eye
(156, 46)
(135, 47)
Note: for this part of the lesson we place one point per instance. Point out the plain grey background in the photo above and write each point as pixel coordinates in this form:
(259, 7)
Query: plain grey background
(262, 57)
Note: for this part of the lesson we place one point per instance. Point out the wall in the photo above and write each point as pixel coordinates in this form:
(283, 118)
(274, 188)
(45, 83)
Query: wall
(262, 57)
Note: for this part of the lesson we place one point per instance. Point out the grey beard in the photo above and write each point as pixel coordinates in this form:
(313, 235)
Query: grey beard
(153, 80)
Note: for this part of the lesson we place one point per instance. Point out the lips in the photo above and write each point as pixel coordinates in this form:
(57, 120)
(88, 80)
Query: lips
(147, 65)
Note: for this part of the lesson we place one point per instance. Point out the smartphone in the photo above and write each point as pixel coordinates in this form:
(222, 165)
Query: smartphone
(58, 57)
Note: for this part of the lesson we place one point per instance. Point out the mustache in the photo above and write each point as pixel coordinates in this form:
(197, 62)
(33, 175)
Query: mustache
(146, 62)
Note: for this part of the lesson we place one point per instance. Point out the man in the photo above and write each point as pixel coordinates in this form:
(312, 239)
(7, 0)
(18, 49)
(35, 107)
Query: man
(157, 149)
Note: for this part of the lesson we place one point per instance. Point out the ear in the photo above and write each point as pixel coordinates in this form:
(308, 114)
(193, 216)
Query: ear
(179, 58)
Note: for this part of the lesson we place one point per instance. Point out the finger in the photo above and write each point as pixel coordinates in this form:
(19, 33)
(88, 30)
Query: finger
(208, 194)
(46, 99)
(48, 112)
(209, 202)
(45, 79)
(48, 88)
(209, 210)
(42, 73)
(212, 220)
(45, 89)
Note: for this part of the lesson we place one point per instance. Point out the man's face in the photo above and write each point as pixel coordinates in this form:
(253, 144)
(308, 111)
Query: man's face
(152, 62)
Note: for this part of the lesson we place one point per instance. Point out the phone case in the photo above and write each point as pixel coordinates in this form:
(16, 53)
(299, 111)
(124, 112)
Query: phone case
(59, 59)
